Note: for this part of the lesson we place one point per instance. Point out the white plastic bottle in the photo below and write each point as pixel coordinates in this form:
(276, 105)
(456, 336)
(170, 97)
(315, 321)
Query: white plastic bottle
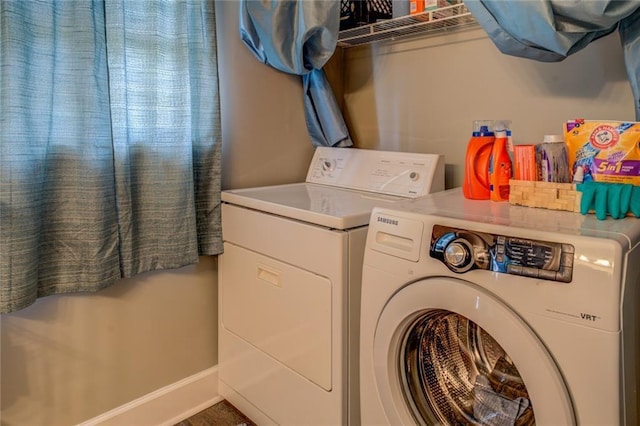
(552, 159)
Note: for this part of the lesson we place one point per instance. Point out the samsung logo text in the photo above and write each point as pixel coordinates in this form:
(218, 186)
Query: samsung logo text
(388, 221)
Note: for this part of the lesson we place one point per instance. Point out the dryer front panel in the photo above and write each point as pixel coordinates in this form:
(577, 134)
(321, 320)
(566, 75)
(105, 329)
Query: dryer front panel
(280, 309)
(447, 352)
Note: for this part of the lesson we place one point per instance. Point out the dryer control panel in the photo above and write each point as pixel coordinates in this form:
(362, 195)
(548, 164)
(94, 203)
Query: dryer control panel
(401, 174)
(462, 250)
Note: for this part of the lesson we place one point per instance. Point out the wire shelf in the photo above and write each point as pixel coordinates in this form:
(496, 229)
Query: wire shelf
(428, 23)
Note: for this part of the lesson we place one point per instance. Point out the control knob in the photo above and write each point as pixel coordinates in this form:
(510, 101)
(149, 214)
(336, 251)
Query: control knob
(458, 255)
(328, 165)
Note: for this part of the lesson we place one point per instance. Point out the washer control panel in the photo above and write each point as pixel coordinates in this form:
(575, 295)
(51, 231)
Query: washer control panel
(462, 250)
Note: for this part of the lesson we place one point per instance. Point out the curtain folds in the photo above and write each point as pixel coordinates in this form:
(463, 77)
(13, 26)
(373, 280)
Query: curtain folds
(551, 30)
(299, 37)
(109, 142)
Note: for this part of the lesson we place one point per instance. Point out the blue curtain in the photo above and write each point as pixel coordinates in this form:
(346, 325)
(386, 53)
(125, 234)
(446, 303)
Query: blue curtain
(109, 143)
(551, 30)
(299, 37)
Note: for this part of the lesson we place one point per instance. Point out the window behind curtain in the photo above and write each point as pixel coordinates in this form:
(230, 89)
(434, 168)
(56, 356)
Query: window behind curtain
(109, 142)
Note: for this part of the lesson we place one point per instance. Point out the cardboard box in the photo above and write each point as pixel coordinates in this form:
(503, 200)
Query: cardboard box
(524, 159)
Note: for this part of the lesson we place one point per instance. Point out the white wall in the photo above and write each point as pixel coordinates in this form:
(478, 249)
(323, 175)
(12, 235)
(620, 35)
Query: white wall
(70, 358)
(422, 95)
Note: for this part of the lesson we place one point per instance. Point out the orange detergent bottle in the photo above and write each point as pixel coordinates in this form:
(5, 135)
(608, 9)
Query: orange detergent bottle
(500, 168)
(475, 185)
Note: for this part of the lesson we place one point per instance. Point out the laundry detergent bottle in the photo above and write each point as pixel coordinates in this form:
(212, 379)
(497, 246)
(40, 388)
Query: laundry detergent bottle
(500, 168)
(475, 185)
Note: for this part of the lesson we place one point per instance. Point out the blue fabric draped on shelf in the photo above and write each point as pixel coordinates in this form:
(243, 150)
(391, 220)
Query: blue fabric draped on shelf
(110, 142)
(299, 37)
(551, 30)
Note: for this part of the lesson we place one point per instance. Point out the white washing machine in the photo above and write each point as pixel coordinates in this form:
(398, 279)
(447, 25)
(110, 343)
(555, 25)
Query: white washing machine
(289, 283)
(477, 312)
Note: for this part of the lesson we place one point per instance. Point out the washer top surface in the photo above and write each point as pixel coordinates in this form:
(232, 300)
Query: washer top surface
(344, 185)
(452, 204)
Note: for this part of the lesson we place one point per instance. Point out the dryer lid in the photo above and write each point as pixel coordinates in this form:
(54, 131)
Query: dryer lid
(343, 185)
(322, 205)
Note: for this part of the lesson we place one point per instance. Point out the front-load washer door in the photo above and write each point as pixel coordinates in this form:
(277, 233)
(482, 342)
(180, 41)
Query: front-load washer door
(447, 352)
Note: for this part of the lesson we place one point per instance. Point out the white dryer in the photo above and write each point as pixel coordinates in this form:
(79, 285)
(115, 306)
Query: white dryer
(477, 312)
(289, 283)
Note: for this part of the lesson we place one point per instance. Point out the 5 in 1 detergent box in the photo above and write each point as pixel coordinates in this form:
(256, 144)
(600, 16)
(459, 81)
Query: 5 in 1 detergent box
(607, 151)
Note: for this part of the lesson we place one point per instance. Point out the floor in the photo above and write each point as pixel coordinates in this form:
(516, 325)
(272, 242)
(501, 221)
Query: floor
(220, 414)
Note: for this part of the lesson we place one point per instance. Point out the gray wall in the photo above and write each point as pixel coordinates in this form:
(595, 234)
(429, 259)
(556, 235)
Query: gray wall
(422, 95)
(264, 131)
(70, 358)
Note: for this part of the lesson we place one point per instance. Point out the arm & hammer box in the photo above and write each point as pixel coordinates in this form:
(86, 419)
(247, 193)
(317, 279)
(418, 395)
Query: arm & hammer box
(607, 151)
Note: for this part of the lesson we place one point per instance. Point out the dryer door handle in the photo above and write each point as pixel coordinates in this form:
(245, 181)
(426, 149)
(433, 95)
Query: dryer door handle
(269, 275)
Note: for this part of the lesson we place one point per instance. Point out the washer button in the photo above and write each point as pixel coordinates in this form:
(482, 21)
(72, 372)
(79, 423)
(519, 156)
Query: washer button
(547, 275)
(514, 269)
(529, 272)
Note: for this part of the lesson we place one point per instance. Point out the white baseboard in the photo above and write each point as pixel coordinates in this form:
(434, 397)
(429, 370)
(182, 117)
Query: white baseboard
(166, 406)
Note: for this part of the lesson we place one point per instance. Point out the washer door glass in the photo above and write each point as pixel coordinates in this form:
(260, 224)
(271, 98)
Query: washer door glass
(446, 351)
(454, 372)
